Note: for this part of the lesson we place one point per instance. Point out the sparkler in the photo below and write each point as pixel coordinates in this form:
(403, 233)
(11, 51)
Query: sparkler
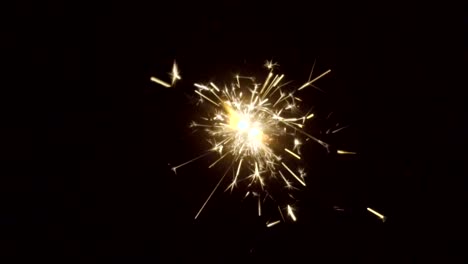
(256, 130)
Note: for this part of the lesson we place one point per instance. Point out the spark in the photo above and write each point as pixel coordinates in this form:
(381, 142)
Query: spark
(212, 192)
(345, 152)
(266, 82)
(293, 174)
(252, 123)
(201, 86)
(339, 129)
(175, 75)
(381, 216)
(214, 163)
(310, 82)
(273, 223)
(297, 144)
(214, 86)
(269, 64)
(161, 82)
(291, 213)
(259, 207)
(237, 175)
(207, 98)
(190, 161)
(281, 213)
(337, 208)
(293, 154)
(312, 70)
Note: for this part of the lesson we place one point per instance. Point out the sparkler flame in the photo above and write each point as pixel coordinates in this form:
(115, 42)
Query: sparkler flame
(256, 129)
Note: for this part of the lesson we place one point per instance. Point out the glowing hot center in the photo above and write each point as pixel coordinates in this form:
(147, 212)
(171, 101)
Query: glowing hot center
(243, 125)
(255, 135)
(252, 132)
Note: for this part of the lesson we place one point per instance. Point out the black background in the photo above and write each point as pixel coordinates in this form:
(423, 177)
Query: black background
(89, 137)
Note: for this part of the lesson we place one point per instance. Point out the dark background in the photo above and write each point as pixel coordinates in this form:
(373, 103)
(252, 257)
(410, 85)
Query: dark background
(89, 137)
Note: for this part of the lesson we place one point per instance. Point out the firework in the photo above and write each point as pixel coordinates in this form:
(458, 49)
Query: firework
(255, 130)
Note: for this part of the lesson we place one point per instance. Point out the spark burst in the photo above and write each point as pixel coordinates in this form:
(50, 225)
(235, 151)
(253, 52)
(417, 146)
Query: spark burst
(256, 130)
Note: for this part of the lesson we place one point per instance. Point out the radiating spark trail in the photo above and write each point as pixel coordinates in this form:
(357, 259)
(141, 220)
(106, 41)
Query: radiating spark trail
(381, 216)
(310, 82)
(288, 184)
(175, 75)
(214, 86)
(201, 86)
(293, 174)
(259, 207)
(158, 81)
(273, 223)
(237, 174)
(345, 152)
(291, 213)
(207, 98)
(339, 129)
(281, 213)
(293, 154)
(266, 82)
(190, 161)
(212, 192)
(312, 70)
(214, 163)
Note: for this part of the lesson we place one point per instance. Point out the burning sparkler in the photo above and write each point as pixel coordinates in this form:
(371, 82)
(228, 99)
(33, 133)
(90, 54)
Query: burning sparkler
(255, 129)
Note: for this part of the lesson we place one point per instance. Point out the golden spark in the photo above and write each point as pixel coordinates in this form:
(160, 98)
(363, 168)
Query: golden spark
(379, 215)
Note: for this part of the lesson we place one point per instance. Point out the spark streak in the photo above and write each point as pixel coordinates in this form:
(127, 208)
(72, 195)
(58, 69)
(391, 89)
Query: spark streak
(293, 154)
(259, 207)
(161, 82)
(381, 216)
(175, 75)
(190, 161)
(345, 152)
(293, 174)
(273, 223)
(212, 192)
(291, 213)
(207, 98)
(310, 82)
